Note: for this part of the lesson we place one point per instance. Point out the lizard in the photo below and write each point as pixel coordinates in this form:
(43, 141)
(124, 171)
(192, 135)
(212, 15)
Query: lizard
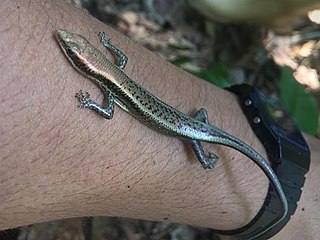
(121, 90)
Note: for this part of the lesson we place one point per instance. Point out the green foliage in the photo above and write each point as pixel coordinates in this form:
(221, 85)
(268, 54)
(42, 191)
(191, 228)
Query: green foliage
(181, 60)
(302, 106)
(178, 47)
(216, 75)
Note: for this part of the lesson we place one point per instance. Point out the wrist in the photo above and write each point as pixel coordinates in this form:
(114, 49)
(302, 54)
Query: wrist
(290, 159)
(243, 188)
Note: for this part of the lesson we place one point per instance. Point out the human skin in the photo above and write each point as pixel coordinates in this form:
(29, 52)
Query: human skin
(58, 161)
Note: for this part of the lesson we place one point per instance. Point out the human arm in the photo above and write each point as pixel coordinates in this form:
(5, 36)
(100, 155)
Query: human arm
(73, 163)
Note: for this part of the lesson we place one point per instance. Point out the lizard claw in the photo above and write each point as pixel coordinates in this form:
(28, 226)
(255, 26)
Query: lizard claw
(84, 99)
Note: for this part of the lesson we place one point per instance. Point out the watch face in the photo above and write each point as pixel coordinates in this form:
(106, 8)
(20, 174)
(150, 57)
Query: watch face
(282, 123)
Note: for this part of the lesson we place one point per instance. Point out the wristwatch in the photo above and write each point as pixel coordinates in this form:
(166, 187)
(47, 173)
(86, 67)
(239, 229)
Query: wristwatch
(287, 152)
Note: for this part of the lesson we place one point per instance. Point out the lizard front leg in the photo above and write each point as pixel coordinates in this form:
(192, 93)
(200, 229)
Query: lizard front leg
(87, 102)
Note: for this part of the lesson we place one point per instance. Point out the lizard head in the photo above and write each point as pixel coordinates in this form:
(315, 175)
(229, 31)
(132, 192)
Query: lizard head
(77, 49)
(71, 43)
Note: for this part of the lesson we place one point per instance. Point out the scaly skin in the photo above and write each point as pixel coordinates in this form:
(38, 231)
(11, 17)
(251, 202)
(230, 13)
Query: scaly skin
(133, 98)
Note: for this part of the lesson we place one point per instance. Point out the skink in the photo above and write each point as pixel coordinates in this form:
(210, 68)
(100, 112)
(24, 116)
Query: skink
(130, 96)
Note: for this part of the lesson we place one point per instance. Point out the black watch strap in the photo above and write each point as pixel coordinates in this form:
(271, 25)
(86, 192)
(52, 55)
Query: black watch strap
(287, 151)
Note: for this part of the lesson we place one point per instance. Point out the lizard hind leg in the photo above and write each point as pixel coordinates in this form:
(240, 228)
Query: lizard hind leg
(206, 161)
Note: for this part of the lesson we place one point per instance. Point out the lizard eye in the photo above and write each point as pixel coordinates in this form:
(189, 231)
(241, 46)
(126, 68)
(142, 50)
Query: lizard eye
(70, 52)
